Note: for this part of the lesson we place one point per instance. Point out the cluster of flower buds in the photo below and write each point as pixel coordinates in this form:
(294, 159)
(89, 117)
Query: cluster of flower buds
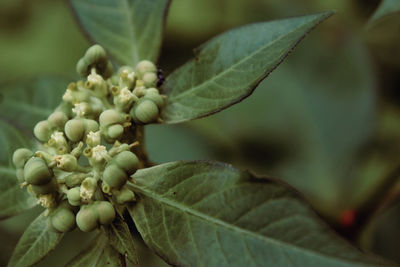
(80, 171)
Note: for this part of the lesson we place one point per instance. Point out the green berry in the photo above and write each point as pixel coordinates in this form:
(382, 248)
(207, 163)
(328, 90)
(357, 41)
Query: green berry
(109, 117)
(74, 197)
(144, 111)
(45, 189)
(74, 179)
(149, 79)
(95, 54)
(114, 176)
(63, 219)
(124, 196)
(43, 131)
(90, 126)
(153, 95)
(86, 218)
(106, 212)
(21, 156)
(58, 119)
(115, 131)
(81, 67)
(127, 161)
(36, 172)
(75, 129)
(145, 66)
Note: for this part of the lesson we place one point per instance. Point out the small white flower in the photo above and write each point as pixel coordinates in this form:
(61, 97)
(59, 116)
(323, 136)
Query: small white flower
(58, 138)
(80, 109)
(99, 153)
(95, 79)
(93, 138)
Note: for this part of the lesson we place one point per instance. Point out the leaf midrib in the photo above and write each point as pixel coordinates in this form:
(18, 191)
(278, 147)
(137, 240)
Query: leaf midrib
(135, 52)
(221, 223)
(187, 91)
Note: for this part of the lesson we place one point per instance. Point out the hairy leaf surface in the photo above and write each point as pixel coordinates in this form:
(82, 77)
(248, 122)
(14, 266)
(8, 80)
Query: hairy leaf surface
(227, 69)
(131, 30)
(210, 214)
(13, 199)
(385, 9)
(100, 253)
(121, 239)
(23, 103)
(36, 242)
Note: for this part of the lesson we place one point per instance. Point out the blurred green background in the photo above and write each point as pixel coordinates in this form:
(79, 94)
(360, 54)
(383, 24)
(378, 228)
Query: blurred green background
(327, 121)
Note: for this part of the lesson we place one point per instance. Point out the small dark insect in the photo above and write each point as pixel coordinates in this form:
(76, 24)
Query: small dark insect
(160, 77)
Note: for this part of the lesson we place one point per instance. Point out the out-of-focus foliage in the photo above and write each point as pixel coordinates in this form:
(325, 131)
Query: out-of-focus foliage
(322, 121)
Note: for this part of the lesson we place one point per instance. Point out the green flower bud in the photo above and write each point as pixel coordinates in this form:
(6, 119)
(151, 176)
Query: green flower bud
(43, 131)
(21, 156)
(144, 111)
(114, 176)
(45, 189)
(124, 196)
(90, 126)
(75, 130)
(74, 179)
(95, 54)
(149, 79)
(58, 119)
(86, 218)
(109, 117)
(81, 67)
(36, 172)
(63, 219)
(66, 162)
(145, 66)
(127, 161)
(106, 212)
(74, 196)
(115, 131)
(153, 95)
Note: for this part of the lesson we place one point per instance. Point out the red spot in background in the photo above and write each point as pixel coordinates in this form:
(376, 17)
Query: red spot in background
(348, 218)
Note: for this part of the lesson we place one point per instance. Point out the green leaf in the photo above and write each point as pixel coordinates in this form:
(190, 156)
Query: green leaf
(292, 126)
(24, 103)
(131, 30)
(99, 253)
(386, 9)
(13, 198)
(37, 241)
(121, 239)
(228, 68)
(210, 214)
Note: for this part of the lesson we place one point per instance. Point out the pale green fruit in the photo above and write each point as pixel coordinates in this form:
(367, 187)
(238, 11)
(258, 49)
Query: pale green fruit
(114, 176)
(36, 172)
(87, 218)
(106, 212)
(74, 197)
(115, 131)
(63, 219)
(58, 119)
(43, 131)
(109, 117)
(75, 130)
(145, 66)
(21, 156)
(127, 161)
(145, 111)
